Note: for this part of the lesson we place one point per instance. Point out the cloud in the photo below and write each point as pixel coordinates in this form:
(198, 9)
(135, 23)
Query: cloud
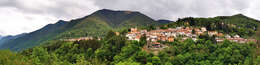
(58, 8)
(18, 16)
(254, 10)
(15, 22)
(173, 9)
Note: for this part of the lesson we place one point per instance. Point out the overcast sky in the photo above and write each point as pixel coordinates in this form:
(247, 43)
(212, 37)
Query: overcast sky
(20, 16)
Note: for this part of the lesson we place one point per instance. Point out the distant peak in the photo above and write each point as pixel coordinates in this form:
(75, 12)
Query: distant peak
(164, 21)
(105, 10)
(61, 22)
(240, 15)
(109, 10)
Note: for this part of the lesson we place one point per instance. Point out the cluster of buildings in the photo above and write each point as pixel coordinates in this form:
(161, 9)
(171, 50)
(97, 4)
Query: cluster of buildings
(181, 33)
(78, 39)
(235, 38)
(166, 34)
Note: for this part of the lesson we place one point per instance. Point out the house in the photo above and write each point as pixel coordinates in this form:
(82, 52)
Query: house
(227, 36)
(137, 38)
(170, 39)
(203, 29)
(194, 39)
(131, 36)
(236, 36)
(143, 32)
(220, 34)
(152, 38)
(179, 28)
(162, 38)
(220, 40)
(188, 29)
(156, 45)
(184, 38)
(211, 33)
(197, 30)
(117, 33)
(199, 33)
(239, 40)
(134, 29)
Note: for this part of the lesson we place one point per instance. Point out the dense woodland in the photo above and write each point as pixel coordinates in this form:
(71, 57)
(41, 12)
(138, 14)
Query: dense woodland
(115, 49)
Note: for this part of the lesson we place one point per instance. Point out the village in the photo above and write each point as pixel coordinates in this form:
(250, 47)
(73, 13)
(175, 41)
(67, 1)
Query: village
(182, 33)
(153, 37)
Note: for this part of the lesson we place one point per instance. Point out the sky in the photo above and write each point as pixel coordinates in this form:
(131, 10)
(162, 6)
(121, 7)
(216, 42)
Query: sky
(23, 16)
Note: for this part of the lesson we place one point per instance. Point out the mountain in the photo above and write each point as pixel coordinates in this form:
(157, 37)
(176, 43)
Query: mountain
(163, 21)
(1, 37)
(119, 18)
(9, 38)
(96, 24)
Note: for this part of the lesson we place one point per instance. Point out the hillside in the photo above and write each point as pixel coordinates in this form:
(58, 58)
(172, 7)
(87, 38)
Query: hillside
(236, 24)
(36, 37)
(96, 24)
(1, 37)
(164, 21)
(5, 39)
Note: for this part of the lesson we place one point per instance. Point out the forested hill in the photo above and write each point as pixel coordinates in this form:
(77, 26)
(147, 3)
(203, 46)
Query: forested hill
(236, 24)
(96, 24)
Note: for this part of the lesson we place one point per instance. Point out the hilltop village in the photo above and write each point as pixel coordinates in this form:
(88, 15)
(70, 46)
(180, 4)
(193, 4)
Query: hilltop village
(181, 33)
(171, 34)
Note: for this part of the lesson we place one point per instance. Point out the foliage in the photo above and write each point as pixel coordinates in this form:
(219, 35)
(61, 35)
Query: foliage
(236, 24)
(9, 58)
(118, 51)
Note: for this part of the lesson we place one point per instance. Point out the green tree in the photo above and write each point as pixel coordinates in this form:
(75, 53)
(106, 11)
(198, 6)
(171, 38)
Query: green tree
(156, 60)
(258, 60)
(258, 35)
(110, 34)
(40, 56)
(141, 56)
(9, 58)
(81, 61)
(128, 63)
(86, 44)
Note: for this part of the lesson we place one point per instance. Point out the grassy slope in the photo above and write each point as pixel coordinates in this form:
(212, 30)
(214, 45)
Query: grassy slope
(31, 39)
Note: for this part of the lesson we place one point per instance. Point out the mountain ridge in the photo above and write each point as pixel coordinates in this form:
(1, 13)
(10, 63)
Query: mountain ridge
(95, 24)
